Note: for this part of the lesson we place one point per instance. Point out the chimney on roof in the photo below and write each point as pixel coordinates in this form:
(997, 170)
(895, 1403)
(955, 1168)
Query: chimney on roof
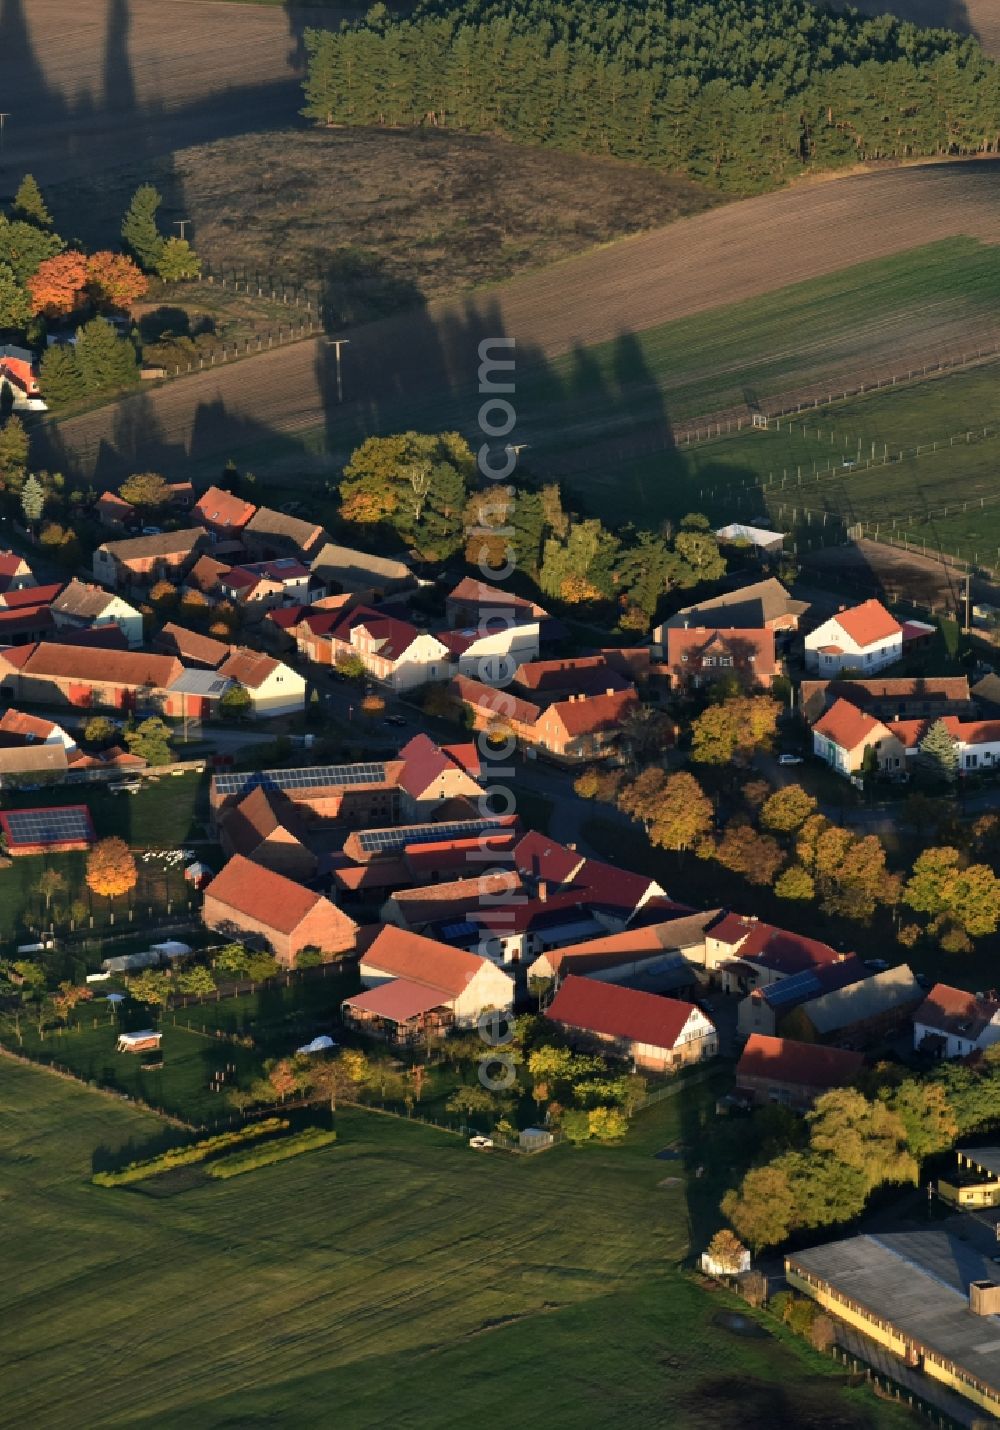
(984, 1298)
(543, 891)
(609, 691)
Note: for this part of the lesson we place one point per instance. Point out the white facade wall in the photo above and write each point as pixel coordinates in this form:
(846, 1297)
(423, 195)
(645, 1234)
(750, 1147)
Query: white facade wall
(282, 693)
(494, 657)
(955, 1045)
(864, 659)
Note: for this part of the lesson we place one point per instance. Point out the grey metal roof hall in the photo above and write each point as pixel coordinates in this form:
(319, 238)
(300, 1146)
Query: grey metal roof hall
(918, 1282)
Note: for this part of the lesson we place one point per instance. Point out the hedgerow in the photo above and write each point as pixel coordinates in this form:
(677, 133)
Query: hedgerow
(185, 1156)
(306, 1141)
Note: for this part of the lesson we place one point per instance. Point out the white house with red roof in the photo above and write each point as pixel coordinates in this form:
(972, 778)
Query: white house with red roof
(844, 734)
(433, 774)
(653, 1032)
(492, 653)
(274, 687)
(392, 650)
(952, 1023)
(864, 638)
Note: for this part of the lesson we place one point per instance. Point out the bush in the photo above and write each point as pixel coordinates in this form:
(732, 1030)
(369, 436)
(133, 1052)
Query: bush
(306, 1141)
(185, 1156)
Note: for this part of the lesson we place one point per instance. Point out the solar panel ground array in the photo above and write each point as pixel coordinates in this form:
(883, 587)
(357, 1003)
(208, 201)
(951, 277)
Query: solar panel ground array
(61, 825)
(307, 777)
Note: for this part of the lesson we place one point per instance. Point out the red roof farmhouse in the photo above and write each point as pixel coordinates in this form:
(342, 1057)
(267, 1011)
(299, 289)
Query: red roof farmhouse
(247, 899)
(651, 1031)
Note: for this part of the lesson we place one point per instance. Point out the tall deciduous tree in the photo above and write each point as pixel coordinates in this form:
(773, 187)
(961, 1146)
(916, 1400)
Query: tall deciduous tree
(111, 869)
(114, 281)
(177, 261)
(58, 285)
(13, 450)
(787, 809)
(683, 813)
(147, 490)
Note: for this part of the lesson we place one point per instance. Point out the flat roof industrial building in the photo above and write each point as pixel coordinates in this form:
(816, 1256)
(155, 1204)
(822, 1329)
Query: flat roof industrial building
(929, 1296)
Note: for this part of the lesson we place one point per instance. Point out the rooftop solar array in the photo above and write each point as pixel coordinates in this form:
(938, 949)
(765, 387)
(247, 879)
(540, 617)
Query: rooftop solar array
(62, 825)
(309, 777)
(794, 989)
(390, 841)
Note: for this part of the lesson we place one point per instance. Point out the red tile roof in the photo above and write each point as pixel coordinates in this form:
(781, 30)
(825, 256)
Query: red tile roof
(591, 714)
(33, 596)
(868, 623)
(121, 667)
(454, 855)
(206, 573)
(424, 763)
(538, 856)
(402, 954)
(28, 620)
(191, 646)
(690, 644)
(470, 592)
(617, 1012)
(847, 726)
(11, 564)
(223, 509)
(583, 674)
(249, 667)
(803, 1064)
(16, 722)
(498, 702)
(397, 1001)
(262, 895)
(953, 1010)
(777, 948)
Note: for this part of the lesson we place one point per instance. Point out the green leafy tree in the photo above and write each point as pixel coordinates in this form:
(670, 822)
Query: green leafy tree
(146, 490)
(926, 1115)
(236, 702)
(233, 959)
(968, 896)
(151, 987)
(29, 204)
(151, 740)
(762, 1212)
(51, 882)
(787, 809)
(177, 261)
(795, 883)
(415, 482)
(140, 234)
(99, 730)
(196, 982)
(607, 1124)
(15, 300)
(731, 731)
(261, 966)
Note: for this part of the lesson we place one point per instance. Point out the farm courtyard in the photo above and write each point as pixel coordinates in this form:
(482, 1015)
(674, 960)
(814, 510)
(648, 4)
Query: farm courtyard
(395, 1269)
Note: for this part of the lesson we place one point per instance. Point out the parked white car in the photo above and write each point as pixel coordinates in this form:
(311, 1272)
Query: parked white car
(790, 760)
(480, 1143)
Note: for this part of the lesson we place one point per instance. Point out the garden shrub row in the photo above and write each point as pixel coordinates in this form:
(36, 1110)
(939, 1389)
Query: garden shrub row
(185, 1156)
(306, 1141)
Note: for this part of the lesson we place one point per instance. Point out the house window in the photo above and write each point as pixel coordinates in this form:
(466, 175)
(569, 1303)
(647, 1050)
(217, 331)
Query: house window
(708, 660)
(727, 659)
(869, 658)
(971, 761)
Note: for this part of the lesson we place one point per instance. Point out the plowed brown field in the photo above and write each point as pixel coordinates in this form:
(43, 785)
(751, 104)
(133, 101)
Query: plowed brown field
(407, 363)
(88, 83)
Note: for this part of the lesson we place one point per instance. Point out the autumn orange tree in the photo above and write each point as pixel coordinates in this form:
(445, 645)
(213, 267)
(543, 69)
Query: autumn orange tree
(114, 281)
(111, 869)
(58, 285)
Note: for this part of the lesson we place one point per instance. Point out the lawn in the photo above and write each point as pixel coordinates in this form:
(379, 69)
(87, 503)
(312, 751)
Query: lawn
(396, 1276)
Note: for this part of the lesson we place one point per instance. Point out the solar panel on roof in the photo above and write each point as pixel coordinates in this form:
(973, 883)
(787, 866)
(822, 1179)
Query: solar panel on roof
(379, 841)
(309, 777)
(788, 990)
(47, 826)
(462, 930)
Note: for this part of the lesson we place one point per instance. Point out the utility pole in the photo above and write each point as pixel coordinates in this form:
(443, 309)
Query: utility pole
(4, 116)
(968, 598)
(337, 344)
(182, 224)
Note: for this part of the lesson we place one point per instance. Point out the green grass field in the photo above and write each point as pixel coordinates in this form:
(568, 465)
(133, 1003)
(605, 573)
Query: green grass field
(946, 496)
(395, 1278)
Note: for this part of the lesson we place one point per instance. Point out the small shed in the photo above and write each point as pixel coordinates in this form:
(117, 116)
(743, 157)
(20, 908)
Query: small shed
(535, 1139)
(146, 1041)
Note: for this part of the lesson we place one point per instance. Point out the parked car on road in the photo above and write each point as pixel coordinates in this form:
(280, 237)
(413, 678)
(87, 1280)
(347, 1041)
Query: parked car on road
(790, 760)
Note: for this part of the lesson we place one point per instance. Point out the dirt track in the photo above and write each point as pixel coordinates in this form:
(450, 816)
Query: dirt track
(701, 262)
(88, 83)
